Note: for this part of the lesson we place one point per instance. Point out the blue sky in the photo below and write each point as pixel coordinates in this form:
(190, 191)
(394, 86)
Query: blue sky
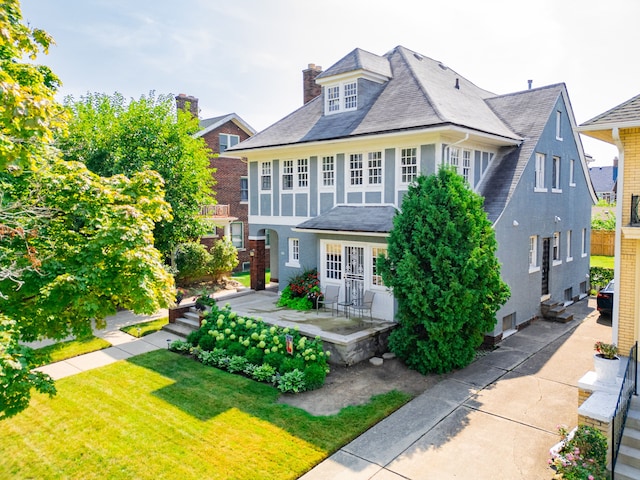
(246, 56)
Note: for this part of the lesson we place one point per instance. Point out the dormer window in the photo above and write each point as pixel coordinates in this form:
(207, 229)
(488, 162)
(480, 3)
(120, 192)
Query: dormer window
(341, 98)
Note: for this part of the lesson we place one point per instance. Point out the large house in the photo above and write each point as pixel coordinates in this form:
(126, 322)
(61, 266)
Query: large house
(604, 181)
(229, 216)
(620, 126)
(326, 181)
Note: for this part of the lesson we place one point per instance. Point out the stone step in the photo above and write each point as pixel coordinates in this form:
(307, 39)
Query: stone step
(193, 323)
(633, 417)
(626, 472)
(192, 315)
(628, 456)
(563, 317)
(178, 329)
(631, 438)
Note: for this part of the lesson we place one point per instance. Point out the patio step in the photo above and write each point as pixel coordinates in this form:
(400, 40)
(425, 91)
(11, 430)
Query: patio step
(183, 326)
(555, 311)
(625, 472)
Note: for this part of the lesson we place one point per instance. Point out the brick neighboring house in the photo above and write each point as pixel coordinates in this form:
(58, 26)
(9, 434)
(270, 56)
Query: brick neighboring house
(620, 126)
(230, 215)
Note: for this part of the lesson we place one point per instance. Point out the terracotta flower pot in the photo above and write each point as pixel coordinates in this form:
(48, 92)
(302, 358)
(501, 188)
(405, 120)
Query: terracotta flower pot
(606, 369)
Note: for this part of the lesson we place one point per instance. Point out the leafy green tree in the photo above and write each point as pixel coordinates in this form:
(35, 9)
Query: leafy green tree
(112, 136)
(73, 246)
(442, 268)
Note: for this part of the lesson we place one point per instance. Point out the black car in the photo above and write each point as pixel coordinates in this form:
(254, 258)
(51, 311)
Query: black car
(605, 299)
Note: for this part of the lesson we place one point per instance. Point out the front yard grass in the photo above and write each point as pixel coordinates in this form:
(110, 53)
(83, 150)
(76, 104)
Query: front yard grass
(69, 349)
(163, 415)
(145, 328)
(602, 261)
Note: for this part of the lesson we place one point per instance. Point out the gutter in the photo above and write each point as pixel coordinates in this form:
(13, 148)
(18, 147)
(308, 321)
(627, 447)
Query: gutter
(615, 133)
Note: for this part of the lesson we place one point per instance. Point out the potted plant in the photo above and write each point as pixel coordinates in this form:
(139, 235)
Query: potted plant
(314, 295)
(606, 362)
(204, 302)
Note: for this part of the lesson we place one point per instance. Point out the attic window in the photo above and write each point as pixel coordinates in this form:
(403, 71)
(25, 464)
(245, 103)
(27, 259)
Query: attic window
(341, 98)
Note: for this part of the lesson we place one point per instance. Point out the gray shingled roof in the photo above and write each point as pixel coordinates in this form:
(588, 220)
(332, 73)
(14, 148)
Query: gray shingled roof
(359, 59)
(421, 93)
(527, 113)
(626, 112)
(602, 178)
(367, 219)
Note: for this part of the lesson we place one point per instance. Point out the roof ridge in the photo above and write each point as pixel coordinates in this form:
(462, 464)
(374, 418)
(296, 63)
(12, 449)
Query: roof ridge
(611, 110)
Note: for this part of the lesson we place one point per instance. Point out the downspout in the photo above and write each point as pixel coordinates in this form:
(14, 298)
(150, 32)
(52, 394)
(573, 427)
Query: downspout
(618, 239)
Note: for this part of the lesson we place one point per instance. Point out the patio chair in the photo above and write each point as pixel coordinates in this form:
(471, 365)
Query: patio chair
(366, 304)
(329, 297)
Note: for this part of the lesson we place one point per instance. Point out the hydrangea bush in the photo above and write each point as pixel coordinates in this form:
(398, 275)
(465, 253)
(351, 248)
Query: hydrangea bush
(249, 346)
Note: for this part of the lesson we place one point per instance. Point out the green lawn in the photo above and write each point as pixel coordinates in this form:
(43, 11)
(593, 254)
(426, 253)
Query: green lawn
(162, 415)
(68, 349)
(602, 262)
(245, 279)
(145, 328)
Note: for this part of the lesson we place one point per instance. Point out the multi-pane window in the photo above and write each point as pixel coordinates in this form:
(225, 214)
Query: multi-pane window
(408, 165)
(555, 176)
(350, 96)
(376, 252)
(333, 261)
(265, 177)
(287, 174)
(328, 171)
(355, 169)
(333, 98)
(540, 160)
(227, 140)
(533, 251)
(303, 172)
(237, 234)
(375, 168)
(454, 158)
(569, 255)
(244, 189)
(556, 246)
(466, 164)
(294, 250)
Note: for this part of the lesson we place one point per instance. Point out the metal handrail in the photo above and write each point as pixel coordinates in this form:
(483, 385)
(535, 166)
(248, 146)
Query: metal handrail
(627, 390)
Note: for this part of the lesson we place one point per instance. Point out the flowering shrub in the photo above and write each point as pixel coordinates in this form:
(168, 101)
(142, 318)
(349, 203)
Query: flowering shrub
(583, 455)
(607, 350)
(302, 291)
(302, 284)
(261, 351)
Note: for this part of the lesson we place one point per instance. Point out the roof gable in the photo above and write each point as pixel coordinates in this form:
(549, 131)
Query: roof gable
(358, 60)
(209, 124)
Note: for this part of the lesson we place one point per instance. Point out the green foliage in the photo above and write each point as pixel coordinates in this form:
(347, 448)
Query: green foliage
(195, 262)
(112, 136)
(292, 381)
(260, 345)
(68, 349)
(224, 258)
(264, 373)
(443, 271)
(301, 291)
(599, 276)
(290, 300)
(145, 328)
(584, 456)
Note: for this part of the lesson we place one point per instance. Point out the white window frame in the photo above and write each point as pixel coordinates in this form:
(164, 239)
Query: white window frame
(374, 168)
(350, 96)
(288, 171)
(229, 141)
(466, 164)
(356, 170)
(559, 125)
(572, 173)
(333, 266)
(332, 99)
(541, 159)
(342, 97)
(237, 238)
(533, 254)
(244, 189)
(294, 253)
(556, 166)
(328, 171)
(584, 243)
(265, 176)
(555, 249)
(376, 278)
(302, 172)
(408, 165)
(569, 251)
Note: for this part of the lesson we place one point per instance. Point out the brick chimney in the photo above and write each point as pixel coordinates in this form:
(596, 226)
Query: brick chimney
(183, 102)
(310, 89)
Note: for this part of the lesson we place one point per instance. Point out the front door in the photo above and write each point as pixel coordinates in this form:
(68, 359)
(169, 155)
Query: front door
(546, 243)
(354, 274)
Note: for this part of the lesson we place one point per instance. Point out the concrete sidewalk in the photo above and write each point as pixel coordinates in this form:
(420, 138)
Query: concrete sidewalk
(124, 345)
(495, 419)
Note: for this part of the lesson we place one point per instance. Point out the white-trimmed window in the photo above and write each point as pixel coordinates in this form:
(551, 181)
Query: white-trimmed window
(341, 98)
(454, 158)
(408, 165)
(539, 180)
(237, 234)
(333, 99)
(555, 176)
(287, 175)
(227, 140)
(466, 164)
(294, 252)
(265, 176)
(328, 171)
(376, 252)
(333, 261)
(569, 251)
(584, 243)
(533, 254)
(351, 96)
(559, 125)
(355, 169)
(375, 168)
(556, 248)
(303, 172)
(572, 170)
(244, 189)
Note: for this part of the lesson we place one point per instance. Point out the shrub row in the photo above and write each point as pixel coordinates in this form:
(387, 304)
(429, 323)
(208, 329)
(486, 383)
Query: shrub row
(282, 356)
(599, 276)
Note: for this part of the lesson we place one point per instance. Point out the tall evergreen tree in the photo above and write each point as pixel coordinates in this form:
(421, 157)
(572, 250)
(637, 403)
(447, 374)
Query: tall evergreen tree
(442, 268)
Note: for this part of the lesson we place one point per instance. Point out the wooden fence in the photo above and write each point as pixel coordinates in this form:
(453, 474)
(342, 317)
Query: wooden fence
(603, 242)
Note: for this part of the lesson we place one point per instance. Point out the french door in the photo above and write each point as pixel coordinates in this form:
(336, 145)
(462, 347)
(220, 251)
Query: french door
(354, 270)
